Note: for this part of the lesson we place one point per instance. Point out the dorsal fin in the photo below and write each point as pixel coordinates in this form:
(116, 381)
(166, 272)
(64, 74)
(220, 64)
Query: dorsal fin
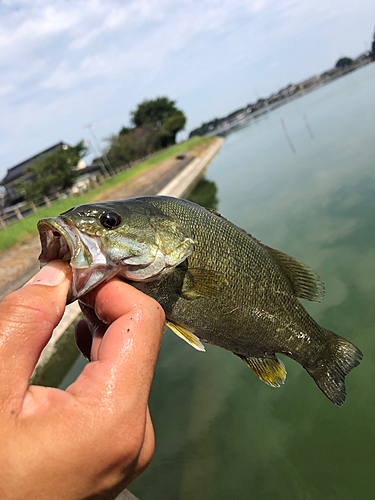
(306, 284)
(231, 223)
(213, 211)
(269, 370)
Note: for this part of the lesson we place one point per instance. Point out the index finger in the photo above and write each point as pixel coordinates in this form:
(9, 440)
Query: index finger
(122, 374)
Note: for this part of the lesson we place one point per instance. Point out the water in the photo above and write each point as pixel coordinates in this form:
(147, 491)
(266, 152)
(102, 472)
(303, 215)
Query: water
(220, 432)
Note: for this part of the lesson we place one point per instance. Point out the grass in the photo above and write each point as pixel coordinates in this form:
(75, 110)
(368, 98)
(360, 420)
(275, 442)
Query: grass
(127, 175)
(25, 228)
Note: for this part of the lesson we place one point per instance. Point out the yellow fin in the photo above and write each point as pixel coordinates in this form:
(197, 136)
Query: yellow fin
(269, 370)
(189, 337)
(199, 282)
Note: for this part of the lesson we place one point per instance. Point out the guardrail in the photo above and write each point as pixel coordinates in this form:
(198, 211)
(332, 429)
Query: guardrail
(22, 210)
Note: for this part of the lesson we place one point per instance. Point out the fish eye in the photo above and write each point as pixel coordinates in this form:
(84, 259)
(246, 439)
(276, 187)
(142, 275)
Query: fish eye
(110, 220)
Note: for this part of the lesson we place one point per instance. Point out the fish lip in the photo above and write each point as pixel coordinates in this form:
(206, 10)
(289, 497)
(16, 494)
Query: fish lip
(57, 240)
(60, 240)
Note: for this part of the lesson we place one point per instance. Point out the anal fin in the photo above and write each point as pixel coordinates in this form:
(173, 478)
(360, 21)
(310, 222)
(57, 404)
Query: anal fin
(269, 370)
(189, 337)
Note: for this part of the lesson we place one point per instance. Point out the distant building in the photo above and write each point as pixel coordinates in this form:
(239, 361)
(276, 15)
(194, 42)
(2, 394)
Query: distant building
(310, 82)
(86, 174)
(17, 173)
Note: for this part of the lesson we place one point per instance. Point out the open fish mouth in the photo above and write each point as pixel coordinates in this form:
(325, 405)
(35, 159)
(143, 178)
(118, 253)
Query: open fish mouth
(62, 241)
(57, 242)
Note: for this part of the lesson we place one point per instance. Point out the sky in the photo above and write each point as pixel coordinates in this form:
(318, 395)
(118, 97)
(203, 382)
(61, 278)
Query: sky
(69, 63)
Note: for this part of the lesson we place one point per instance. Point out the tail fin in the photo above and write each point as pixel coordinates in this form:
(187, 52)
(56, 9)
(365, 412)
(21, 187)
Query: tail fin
(331, 368)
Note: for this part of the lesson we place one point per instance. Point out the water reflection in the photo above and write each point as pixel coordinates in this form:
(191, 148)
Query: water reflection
(205, 194)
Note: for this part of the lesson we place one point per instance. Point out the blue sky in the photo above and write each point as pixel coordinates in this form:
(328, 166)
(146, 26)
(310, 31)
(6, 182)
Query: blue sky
(68, 63)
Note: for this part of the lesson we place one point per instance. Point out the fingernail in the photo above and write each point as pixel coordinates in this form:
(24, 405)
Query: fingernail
(50, 275)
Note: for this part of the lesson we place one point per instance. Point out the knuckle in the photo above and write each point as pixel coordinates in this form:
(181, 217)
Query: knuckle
(126, 446)
(20, 309)
(23, 308)
(145, 462)
(153, 311)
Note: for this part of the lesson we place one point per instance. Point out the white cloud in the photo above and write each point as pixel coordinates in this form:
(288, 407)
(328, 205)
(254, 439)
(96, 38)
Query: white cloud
(148, 48)
(210, 54)
(6, 89)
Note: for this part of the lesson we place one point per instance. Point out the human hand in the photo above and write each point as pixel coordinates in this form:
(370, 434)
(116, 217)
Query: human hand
(93, 439)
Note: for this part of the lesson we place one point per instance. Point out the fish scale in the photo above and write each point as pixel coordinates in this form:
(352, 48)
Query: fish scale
(215, 282)
(239, 272)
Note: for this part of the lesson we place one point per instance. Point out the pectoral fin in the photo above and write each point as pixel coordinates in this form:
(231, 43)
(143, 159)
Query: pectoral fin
(199, 282)
(269, 370)
(189, 337)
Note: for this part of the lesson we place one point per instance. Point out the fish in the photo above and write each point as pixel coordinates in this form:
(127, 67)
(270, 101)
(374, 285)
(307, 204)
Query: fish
(216, 283)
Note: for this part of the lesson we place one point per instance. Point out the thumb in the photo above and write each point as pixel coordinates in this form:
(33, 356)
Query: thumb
(27, 319)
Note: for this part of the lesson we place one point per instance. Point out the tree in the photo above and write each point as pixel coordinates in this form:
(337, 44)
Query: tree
(168, 129)
(164, 118)
(344, 62)
(125, 148)
(54, 173)
(125, 130)
(155, 124)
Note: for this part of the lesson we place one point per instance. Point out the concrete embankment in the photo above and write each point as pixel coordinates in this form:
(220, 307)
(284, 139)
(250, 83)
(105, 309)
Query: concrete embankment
(179, 186)
(185, 182)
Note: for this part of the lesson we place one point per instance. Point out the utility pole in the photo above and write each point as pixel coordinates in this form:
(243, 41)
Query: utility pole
(93, 148)
(99, 149)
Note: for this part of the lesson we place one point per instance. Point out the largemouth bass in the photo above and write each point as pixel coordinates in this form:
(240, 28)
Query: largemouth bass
(215, 282)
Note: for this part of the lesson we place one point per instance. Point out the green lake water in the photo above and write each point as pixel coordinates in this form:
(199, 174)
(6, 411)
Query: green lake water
(220, 432)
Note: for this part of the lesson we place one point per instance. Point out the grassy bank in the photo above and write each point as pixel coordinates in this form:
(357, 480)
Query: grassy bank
(23, 229)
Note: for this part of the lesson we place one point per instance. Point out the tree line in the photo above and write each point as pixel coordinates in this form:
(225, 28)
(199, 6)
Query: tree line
(154, 126)
(206, 127)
